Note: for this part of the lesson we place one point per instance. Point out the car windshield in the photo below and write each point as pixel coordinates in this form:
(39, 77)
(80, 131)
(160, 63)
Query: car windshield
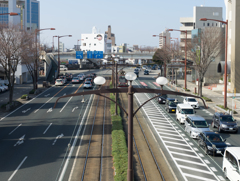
(163, 96)
(187, 111)
(192, 100)
(200, 124)
(87, 83)
(226, 119)
(136, 70)
(214, 138)
(172, 103)
(59, 80)
(75, 78)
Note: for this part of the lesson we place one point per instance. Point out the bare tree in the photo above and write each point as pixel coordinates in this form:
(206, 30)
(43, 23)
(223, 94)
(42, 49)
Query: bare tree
(204, 48)
(11, 45)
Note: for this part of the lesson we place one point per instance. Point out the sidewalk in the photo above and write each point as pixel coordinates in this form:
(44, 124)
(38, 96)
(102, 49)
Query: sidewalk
(216, 97)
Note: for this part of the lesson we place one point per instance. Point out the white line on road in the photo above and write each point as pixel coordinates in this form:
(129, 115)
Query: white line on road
(20, 141)
(74, 108)
(15, 129)
(66, 104)
(59, 136)
(17, 169)
(47, 128)
(43, 105)
(26, 110)
(49, 110)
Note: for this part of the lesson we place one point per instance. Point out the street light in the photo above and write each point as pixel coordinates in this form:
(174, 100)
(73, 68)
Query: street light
(36, 60)
(185, 75)
(53, 43)
(226, 43)
(58, 51)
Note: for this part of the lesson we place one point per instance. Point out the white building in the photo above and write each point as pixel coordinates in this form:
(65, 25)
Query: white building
(164, 39)
(95, 42)
(61, 47)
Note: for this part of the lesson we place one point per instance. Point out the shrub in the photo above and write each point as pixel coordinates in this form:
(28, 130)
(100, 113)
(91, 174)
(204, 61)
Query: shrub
(24, 96)
(32, 91)
(221, 78)
(221, 106)
(207, 99)
(186, 90)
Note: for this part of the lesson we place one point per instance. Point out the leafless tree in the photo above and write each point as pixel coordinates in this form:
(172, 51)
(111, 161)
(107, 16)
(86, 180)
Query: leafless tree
(12, 44)
(204, 48)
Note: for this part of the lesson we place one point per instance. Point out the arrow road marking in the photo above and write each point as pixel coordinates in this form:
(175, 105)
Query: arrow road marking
(64, 94)
(49, 110)
(26, 110)
(59, 136)
(20, 141)
(46, 95)
(74, 108)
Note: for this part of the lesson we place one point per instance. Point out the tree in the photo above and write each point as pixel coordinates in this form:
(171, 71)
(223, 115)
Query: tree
(12, 44)
(204, 48)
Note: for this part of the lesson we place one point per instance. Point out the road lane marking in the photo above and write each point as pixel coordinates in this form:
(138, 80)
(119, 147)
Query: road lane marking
(24, 111)
(66, 104)
(46, 95)
(15, 129)
(206, 161)
(74, 108)
(188, 161)
(78, 88)
(20, 141)
(49, 110)
(59, 136)
(213, 169)
(10, 178)
(47, 128)
(195, 169)
(198, 177)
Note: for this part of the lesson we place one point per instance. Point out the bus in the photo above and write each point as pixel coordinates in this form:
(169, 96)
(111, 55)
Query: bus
(122, 81)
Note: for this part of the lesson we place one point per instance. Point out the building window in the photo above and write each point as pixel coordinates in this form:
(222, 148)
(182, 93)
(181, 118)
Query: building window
(208, 24)
(95, 37)
(215, 13)
(94, 44)
(203, 24)
(84, 44)
(86, 37)
(89, 44)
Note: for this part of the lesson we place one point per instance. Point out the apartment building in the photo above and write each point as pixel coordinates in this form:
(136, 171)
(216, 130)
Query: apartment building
(164, 39)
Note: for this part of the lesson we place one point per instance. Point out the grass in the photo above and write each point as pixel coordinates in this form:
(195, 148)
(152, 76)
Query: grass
(221, 106)
(24, 96)
(207, 99)
(186, 90)
(119, 145)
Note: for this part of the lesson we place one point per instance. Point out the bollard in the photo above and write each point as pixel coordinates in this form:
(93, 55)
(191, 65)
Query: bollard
(83, 98)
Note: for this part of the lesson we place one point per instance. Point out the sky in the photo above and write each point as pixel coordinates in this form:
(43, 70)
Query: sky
(132, 21)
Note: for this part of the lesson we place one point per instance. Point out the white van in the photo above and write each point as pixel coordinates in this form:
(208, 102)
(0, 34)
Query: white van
(182, 111)
(231, 163)
(63, 67)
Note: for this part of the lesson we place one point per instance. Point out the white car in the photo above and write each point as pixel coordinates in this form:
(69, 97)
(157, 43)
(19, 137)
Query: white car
(59, 82)
(191, 101)
(80, 77)
(82, 74)
(4, 86)
(87, 85)
(2, 89)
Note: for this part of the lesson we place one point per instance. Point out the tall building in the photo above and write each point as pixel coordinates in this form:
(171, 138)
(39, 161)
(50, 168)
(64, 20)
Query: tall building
(190, 23)
(233, 53)
(61, 47)
(110, 35)
(164, 39)
(28, 10)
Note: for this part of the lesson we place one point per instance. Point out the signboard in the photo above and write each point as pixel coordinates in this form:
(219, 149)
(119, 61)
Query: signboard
(98, 54)
(89, 54)
(79, 54)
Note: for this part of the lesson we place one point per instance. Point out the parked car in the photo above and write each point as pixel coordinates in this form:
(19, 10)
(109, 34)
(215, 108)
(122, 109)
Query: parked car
(192, 101)
(224, 122)
(171, 104)
(63, 77)
(2, 89)
(212, 143)
(59, 82)
(4, 86)
(195, 124)
(146, 72)
(63, 67)
(231, 163)
(162, 98)
(87, 85)
(182, 111)
(75, 80)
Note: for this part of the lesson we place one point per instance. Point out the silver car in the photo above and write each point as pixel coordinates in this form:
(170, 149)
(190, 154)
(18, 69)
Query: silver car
(194, 125)
(87, 85)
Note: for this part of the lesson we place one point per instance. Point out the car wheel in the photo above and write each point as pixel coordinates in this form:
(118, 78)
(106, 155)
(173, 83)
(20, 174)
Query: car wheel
(190, 134)
(206, 150)
(219, 129)
(236, 131)
(213, 126)
(199, 143)
(225, 173)
(0, 90)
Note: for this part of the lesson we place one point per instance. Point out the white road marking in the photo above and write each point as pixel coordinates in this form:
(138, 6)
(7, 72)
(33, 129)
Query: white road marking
(59, 136)
(50, 110)
(74, 108)
(188, 161)
(64, 94)
(179, 139)
(20, 141)
(221, 178)
(177, 148)
(47, 128)
(46, 95)
(196, 149)
(187, 139)
(43, 105)
(10, 178)
(200, 154)
(66, 104)
(182, 154)
(213, 169)
(26, 110)
(195, 169)
(206, 161)
(15, 129)
(197, 177)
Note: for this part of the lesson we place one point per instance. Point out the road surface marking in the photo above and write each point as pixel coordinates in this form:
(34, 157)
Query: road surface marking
(74, 108)
(15, 129)
(47, 128)
(143, 84)
(66, 104)
(10, 178)
(207, 162)
(20, 141)
(26, 110)
(59, 136)
(213, 169)
(49, 110)
(46, 95)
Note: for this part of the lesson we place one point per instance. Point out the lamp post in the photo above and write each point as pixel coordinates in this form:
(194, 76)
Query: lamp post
(53, 43)
(130, 76)
(185, 75)
(36, 60)
(226, 43)
(58, 51)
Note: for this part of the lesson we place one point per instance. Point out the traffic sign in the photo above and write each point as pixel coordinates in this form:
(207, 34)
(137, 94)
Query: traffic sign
(98, 54)
(89, 54)
(79, 54)
(233, 97)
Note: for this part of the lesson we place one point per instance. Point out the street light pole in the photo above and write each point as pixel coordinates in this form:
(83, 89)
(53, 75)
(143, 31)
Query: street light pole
(226, 45)
(53, 43)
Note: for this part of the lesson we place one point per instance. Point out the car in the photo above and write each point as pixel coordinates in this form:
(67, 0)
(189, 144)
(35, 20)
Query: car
(161, 98)
(195, 124)
(68, 76)
(182, 111)
(87, 85)
(136, 71)
(146, 72)
(171, 104)
(59, 82)
(192, 101)
(75, 80)
(81, 76)
(89, 79)
(63, 77)
(63, 67)
(4, 86)
(212, 143)
(94, 75)
(2, 89)
(224, 122)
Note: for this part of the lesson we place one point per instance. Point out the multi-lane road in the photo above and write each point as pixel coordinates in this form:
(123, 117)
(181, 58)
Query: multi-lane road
(38, 142)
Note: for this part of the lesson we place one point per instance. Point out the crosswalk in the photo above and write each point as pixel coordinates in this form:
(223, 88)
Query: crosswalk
(187, 158)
